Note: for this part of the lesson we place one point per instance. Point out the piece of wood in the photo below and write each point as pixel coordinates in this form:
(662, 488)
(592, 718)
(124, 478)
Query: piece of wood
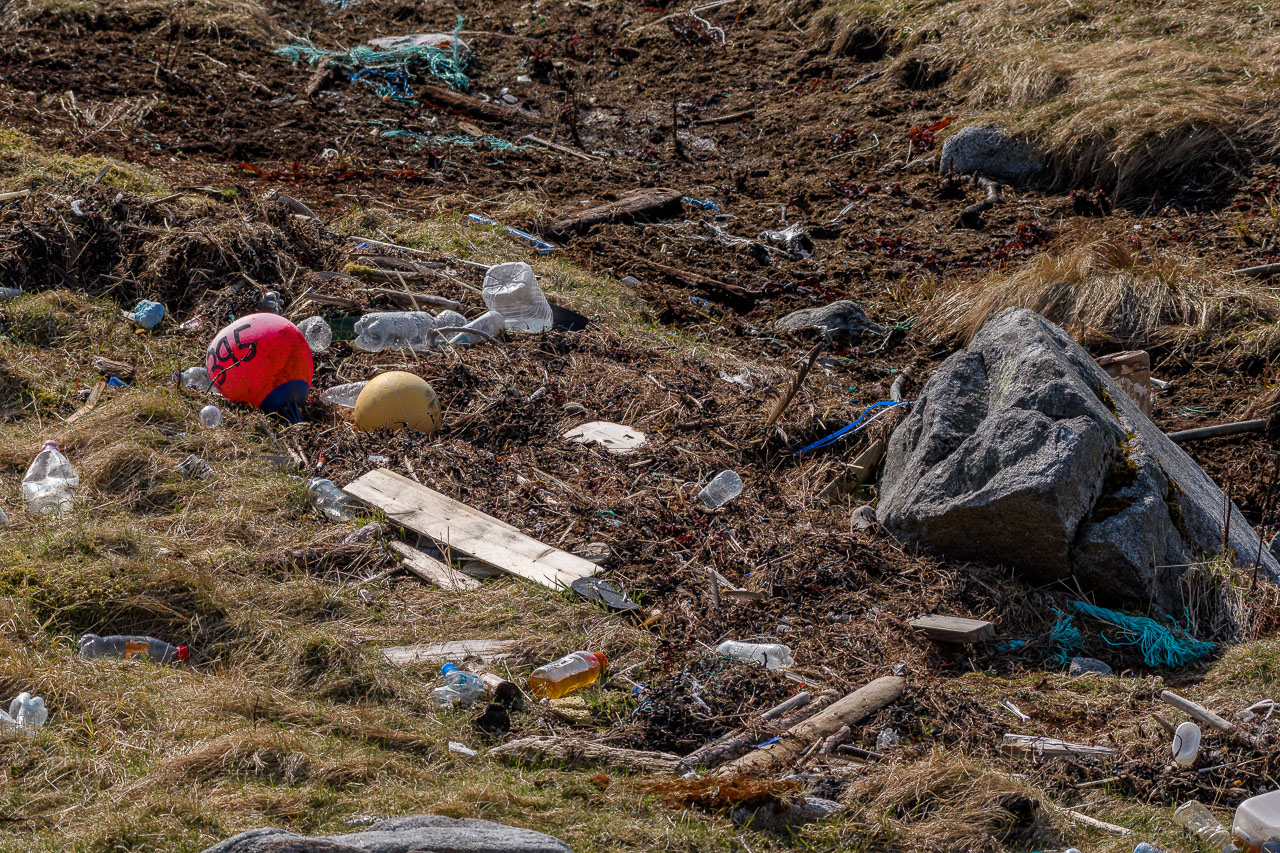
(118, 369)
(455, 525)
(90, 404)
(860, 470)
(787, 713)
(971, 216)
(643, 203)
(726, 119)
(1209, 718)
(781, 404)
(563, 149)
(731, 294)
(574, 751)
(418, 300)
(856, 706)
(1109, 828)
(954, 629)
(432, 570)
(485, 651)
(859, 752)
(1047, 747)
(1263, 271)
(441, 96)
(1217, 430)
(319, 80)
(1132, 372)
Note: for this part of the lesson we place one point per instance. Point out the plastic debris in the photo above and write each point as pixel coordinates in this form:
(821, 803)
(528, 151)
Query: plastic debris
(148, 314)
(538, 243)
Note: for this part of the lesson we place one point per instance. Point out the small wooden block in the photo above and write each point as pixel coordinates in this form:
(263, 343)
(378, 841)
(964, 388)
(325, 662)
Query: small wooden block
(954, 629)
(432, 570)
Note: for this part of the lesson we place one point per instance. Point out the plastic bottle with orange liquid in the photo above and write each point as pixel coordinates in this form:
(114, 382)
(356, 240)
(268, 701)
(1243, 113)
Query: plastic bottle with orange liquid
(571, 672)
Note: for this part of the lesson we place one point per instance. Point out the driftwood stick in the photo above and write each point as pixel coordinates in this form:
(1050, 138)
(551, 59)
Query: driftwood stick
(897, 390)
(717, 752)
(729, 292)
(417, 300)
(726, 119)
(859, 752)
(1209, 718)
(538, 749)
(800, 738)
(1263, 271)
(482, 109)
(971, 216)
(784, 401)
(634, 205)
(563, 149)
(1109, 828)
(1217, 430)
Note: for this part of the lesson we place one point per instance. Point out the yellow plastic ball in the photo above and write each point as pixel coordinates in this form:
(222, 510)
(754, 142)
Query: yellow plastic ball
(397, 400)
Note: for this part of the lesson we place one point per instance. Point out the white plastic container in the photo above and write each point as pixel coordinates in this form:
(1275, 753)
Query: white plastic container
(772, 655)
(50, 484)
(1257, 821)
(723, 488)
(197, 379)
(1186, 744)
(28, 711)
(395, 330)
(317, 333)
(512, 290)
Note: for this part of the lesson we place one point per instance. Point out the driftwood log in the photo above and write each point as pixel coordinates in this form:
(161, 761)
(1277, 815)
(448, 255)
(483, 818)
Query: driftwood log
(793, 743)
(481, 109)
(971, 216)
(730, 294)
(645, 203)
(569, 750)
(788, 714)
(1217, 430)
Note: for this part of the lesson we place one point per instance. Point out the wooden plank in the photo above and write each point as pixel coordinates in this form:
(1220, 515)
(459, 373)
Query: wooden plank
(1048, 747)
(456, 526)
(432, 570)
(485, 651)
(791, 744)
(954, 629)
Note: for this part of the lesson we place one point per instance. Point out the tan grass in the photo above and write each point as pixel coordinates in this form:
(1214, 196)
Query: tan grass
(1109, 291)
(245, 19)
(1125, 95)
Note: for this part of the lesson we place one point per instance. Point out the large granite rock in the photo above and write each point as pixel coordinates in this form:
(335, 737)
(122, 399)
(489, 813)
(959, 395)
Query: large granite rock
(990, 152)
(416, 834)
(1021, 451)
(840, 320)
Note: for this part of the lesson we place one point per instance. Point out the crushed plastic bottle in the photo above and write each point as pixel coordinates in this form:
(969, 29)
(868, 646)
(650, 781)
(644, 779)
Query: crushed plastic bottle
(50, 484)
(460, 688)
(723, 488)
(28, 711)
(330, 501)
(317, 333)
(194, 466)
(887, 739)
(771, 655)
(93, 647)
(10, 293)
(271, 302)
(343, 395)
(395, 330)
(567, 674)
(211, 416)
(490, 322)
(512, 290)
(1200, 822)
(197, 379)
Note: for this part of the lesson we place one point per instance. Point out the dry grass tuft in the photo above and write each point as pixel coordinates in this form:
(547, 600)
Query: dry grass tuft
(1109, 291)
(275, 757)
(1127, 96)
(943, 802)
(242, 19)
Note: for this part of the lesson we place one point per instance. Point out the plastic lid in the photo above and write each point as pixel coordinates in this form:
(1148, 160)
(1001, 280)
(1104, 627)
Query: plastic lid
(51, 443)
(448, 668)
(604, 661)
(183, 653)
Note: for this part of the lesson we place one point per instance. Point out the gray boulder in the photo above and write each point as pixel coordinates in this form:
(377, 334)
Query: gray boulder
(839, 319)
(1021, 451)
(990, 152)
(416, 834)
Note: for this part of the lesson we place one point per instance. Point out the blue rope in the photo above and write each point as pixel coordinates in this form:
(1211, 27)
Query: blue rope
(372, 64)
(1064, 638)
(1161, 646)
(708, 204)
(853, 427)
(495, 143)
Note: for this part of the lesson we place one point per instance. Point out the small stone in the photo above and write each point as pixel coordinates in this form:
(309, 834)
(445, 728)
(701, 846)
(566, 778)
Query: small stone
(419, 833)
(841, 319)
(462, 750)
(783, 816)
(864, 518)
(597, 552)
(989, 151)
(1088, 666)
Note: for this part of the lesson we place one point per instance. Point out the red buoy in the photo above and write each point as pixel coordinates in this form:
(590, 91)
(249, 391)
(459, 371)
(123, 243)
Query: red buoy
(262, 360)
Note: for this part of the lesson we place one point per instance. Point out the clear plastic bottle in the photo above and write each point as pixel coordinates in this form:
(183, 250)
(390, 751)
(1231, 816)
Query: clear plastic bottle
(92, 647)
(490, 322)
(512, 290)
(343, 395)
(4, 518)
(211, 416)
(723, 488)
(771, 655)
(1200, 822)
(395, 330)
(317, 333)
(459, 688)
(50, 484)
(28, 711)
(569, 673)
(330, 501)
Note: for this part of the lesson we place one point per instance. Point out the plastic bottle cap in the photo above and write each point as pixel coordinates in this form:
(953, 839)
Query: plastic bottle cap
(448, 668)
(604, 662)
(183, 653)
